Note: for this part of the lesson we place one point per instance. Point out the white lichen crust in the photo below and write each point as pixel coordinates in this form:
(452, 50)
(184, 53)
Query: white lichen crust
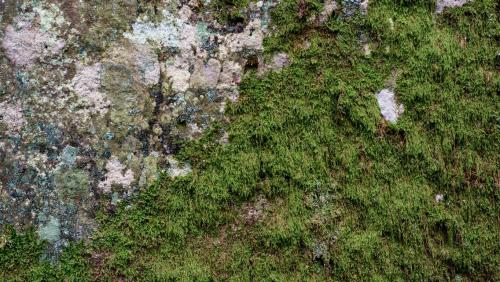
(389, 108)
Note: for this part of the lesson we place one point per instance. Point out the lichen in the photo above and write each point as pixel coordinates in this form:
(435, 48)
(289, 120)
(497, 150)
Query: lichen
(389, 108)
(441, 4)
(12, 117)
(50, 231)
(72, 184)
(33, 36)
(117, 175)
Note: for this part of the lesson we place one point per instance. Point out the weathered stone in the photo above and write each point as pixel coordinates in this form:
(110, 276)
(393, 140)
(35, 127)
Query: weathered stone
(117, 174)
(86, 84)
(205, 75)
(12, 117)
(72, 184)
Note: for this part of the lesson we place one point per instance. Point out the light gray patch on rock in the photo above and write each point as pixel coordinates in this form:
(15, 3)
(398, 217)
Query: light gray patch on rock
(250, 39)
(389, 108)
(441, 4)
(147, 64)
(12, 117)
(176, 169)
(205, 75)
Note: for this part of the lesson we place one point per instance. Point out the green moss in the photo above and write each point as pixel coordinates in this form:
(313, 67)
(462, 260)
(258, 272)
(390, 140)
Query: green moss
(17, 253)
(21, 259)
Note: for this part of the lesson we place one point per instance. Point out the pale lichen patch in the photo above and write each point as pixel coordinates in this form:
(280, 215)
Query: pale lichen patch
(117, 174)
(26, 45)
(51, 230)
(34, 35)
(389, 108)
(441, 4)
(86, 84)
(176, 169)
(12, 116)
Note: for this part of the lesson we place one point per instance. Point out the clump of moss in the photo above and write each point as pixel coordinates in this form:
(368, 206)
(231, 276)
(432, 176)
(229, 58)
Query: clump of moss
(21, 259)
(228, 12)
(18, 252)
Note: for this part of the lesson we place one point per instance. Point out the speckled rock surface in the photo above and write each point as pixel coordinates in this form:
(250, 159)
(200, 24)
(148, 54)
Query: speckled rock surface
(94, 98)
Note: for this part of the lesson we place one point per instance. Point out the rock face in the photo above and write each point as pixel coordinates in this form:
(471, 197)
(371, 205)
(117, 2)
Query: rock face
(94, 98)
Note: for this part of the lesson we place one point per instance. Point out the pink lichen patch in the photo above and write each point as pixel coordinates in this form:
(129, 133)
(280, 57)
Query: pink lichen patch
(86, 84)
(12, 116)
(117, 174)
(27, 44)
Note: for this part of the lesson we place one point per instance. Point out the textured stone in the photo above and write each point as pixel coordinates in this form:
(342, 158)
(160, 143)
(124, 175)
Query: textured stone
(117, 174)
(27, 44)
(12, 117)
(86, 84)
(205, 75)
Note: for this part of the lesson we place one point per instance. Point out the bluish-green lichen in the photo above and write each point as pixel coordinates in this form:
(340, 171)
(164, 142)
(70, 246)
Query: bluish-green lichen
(50, 230)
